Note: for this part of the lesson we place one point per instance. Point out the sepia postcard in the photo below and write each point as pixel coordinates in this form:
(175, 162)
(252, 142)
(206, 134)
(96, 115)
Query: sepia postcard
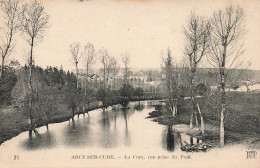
(130, 83)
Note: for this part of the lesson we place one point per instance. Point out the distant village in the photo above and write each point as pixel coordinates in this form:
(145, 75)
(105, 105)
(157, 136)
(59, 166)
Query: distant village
(150, 80)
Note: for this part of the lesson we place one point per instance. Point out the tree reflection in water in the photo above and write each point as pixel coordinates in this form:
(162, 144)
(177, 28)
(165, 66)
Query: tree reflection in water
(46, 140)
(77, 135)
(126, 113)
(107, 135)
(139, 106)
(171, 140)
(106, 129)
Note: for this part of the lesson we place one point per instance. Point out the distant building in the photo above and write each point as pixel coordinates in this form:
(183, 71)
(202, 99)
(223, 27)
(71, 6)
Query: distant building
(255, 87)
(14, 64)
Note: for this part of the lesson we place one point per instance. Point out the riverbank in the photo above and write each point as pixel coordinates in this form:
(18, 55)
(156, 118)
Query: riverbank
(241, 126)
(13, 122)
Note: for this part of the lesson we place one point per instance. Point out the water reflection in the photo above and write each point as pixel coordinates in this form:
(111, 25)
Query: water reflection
(76, 134)
(107, 137)
(45, 140)
(171, 139)
(116, 127)
(139, 106)
(105, 119)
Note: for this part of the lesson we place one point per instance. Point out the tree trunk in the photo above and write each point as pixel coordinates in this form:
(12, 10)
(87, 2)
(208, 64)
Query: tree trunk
(2, 68)
(223, 109)
(196, 120)
(77, 73)
(191, 120)
(35, 131)
(202, 127)
(173, 110)
(176, 109)
(30, 126)
(192, 97)
(85, 91)
(222, 130)
(31, 88)
(104, 76)
(72, 115)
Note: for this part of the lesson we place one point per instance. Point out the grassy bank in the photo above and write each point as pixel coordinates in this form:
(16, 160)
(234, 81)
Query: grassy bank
(241, 124)
(13, 122)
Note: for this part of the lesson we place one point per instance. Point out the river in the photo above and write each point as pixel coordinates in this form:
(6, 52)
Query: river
(121, 134)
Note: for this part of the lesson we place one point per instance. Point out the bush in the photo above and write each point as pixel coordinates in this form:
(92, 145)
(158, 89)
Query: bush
(127, 91)
(139, 92)
(202, 89)
(6, 85)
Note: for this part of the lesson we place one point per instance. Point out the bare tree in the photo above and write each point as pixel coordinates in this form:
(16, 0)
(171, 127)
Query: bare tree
(10, 10)
(109, 70)
(75, 55)
(126, 61)
(88, 54)
(33, 21)
(197, 34)
(115, 68)
(170, 78)
(226, 50)
(104, 58)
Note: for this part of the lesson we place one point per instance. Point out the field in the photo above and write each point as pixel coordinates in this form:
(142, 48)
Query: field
(241, 124)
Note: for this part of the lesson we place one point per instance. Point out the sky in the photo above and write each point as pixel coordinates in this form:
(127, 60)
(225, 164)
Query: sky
(143, 28)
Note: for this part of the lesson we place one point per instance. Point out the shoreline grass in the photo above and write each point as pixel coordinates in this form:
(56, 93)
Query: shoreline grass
(242, 124)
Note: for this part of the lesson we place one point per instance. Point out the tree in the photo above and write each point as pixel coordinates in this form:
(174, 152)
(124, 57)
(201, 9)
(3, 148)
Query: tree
(10, 10)
(139, 92)
(6, 86)
(71, 93)
(104, 58)
(197, 35)
(226, 50)
(33, 21)
(171, 82)
(126, 61)
(75, 54)
(115, 68)
(102, 95)
(88, 54)
(127, 91)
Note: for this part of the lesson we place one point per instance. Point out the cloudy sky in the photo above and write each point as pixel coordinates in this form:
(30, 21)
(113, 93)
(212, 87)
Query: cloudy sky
(141, 27)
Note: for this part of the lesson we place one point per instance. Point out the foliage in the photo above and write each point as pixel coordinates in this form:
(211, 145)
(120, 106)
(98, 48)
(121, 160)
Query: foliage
(127, 91)
(7, 82)
(139, 92)
(202, 89)
(51, 88)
